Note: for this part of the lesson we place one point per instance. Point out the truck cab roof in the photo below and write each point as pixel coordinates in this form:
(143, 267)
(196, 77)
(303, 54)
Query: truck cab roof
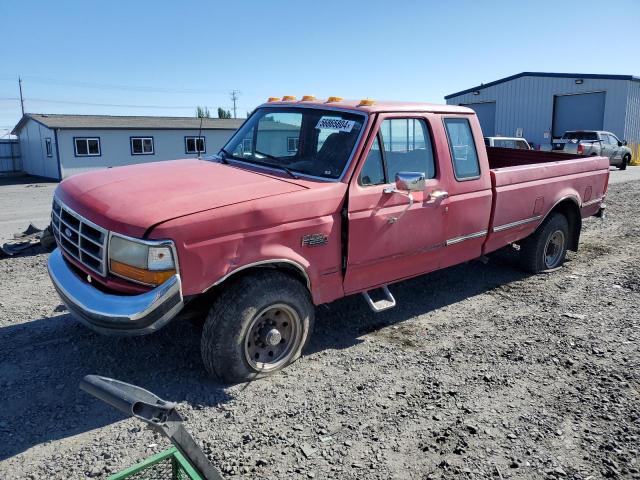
(375, 107)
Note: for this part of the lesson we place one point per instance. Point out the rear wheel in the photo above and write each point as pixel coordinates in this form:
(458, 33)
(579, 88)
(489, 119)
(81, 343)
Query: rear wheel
(546, 248)
(258, 326)
(625, 161)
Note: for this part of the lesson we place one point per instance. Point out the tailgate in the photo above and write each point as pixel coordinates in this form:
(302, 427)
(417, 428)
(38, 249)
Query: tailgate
(558, 145)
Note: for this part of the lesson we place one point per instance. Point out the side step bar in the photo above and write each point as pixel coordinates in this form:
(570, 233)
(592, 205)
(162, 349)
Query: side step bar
(383, 304)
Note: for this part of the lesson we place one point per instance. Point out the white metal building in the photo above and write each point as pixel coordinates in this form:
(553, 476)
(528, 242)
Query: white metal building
(58, 146)
(541, 106)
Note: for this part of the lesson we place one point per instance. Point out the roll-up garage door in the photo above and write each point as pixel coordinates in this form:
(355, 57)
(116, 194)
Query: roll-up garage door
(486, 112)
(584, 111)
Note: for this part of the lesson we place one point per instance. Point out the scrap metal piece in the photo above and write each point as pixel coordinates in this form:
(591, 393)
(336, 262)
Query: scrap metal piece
(160, 414)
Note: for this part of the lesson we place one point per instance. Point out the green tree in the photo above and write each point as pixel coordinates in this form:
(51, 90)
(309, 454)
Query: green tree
(222, 113)
(202, 112)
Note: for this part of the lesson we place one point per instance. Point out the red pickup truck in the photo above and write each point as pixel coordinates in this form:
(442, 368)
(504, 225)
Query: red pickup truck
(308, 202)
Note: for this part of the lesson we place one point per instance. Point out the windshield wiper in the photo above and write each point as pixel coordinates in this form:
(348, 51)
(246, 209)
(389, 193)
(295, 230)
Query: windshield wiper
(267, 164)
(268, 155)
(273, 165)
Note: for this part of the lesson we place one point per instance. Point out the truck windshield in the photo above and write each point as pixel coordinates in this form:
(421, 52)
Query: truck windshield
(580, 136)
(303, 140)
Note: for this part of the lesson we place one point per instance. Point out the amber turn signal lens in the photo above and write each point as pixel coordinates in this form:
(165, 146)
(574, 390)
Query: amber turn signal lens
(141, 275)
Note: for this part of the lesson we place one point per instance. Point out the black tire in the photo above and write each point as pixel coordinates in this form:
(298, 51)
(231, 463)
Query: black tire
(541, 252)
(234, 317)
(625, 161)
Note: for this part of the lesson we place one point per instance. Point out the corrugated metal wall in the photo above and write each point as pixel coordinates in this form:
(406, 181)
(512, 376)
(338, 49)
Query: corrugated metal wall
(10, 156)
(527, 103)
(632, 124)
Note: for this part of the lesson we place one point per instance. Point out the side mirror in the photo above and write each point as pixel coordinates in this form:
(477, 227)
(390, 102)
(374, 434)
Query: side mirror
(406, 182)
(410, 181)
(620, 143)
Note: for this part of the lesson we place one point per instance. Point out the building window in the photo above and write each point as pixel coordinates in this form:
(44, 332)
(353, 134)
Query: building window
(195, 145)
(142, 146)
(292, 144)
(87, 147)
(47, 145)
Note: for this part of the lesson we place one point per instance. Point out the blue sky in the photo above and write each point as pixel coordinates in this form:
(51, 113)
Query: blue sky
(176, 55)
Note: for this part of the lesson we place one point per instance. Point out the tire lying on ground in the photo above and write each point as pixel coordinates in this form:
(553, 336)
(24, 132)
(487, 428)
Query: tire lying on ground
(258, 325)
(546, 248)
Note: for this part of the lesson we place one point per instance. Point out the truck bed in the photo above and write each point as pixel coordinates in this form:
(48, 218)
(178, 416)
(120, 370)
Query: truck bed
(528, 184)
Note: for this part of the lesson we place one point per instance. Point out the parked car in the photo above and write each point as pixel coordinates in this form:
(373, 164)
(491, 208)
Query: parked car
(507, 142)
(594, 142)
(369, 194)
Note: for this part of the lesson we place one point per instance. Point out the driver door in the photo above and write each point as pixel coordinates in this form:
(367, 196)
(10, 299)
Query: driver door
(388, 240)
(615, 148)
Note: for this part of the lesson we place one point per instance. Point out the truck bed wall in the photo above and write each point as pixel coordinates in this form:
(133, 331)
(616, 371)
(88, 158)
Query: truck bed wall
(511, 157)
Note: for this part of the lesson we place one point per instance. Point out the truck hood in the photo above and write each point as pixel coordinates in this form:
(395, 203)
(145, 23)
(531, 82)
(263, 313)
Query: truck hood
(131, 199)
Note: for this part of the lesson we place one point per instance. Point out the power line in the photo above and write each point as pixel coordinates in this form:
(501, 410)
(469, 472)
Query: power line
(93, 104)
(107, 86)
(71, 102)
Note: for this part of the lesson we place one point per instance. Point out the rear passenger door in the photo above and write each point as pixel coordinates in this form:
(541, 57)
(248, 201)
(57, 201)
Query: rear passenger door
(388, 240)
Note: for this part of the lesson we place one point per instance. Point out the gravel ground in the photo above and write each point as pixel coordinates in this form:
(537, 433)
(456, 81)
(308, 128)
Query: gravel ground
(481, 372)
(25, 199)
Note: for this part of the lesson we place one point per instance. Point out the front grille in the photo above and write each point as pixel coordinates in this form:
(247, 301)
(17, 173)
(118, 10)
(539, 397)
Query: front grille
(79, 238)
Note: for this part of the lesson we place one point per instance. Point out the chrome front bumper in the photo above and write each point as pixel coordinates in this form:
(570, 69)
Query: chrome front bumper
(115, 314)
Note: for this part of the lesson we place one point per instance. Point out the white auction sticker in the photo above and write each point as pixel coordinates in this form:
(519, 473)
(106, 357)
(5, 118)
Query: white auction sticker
(332, 123)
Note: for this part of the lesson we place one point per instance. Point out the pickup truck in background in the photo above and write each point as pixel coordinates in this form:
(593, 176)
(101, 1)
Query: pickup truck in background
(507, 142)
(594, 143)
(309, 201)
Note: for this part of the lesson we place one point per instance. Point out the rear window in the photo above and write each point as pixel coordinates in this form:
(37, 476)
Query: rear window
(462, 148)
(510, 143)
(580, 136)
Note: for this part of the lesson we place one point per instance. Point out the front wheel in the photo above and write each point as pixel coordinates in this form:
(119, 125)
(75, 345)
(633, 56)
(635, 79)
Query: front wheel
(546, 248)
(625, 161)
(258, 326)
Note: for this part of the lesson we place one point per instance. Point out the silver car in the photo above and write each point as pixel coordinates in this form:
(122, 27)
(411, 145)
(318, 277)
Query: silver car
(594, 142)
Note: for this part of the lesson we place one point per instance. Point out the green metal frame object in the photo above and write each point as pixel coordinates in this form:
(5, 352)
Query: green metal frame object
(181, 469)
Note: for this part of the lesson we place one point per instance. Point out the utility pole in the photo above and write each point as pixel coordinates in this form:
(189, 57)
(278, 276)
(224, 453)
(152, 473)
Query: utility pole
(21, 99)
(234, 97)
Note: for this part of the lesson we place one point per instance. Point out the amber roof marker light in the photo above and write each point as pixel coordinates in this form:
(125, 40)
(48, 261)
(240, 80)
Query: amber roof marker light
(366, 102)
(289, 98)
(308, 98)
(334, 99)
(273, 99)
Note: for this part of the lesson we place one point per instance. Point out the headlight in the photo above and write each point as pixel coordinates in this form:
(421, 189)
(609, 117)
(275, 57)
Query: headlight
(149, 263)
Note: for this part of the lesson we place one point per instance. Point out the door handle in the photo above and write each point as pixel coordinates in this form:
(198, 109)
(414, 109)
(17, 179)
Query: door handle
(438, 195)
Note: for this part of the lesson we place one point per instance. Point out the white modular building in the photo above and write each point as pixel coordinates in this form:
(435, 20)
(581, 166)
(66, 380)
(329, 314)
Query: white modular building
(59, 145)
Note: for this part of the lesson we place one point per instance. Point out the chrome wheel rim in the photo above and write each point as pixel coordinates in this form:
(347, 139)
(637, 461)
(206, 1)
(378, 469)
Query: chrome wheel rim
(553, 249)
(272, 338)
